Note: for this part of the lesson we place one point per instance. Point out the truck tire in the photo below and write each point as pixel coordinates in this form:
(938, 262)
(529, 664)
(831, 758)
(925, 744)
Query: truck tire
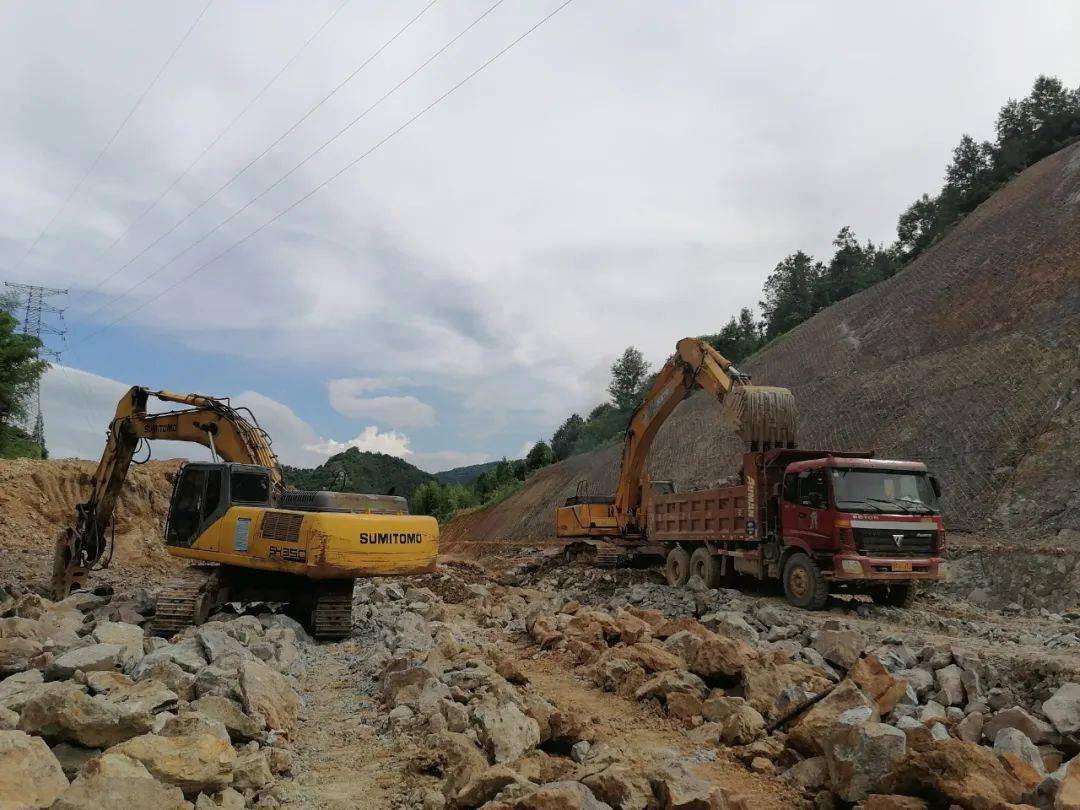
(677, 567)
(705, 565)
(804, 584)
(901, 596)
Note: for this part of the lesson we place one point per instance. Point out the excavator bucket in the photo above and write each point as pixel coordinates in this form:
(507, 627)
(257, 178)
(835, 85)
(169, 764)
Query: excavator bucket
(764, 416)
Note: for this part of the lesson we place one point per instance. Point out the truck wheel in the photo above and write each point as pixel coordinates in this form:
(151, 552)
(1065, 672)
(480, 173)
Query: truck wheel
(706, 566)
(804, 585)
(677, 567)
(901, 596)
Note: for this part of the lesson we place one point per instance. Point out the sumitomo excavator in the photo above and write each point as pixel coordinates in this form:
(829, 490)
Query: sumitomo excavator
(254, 538)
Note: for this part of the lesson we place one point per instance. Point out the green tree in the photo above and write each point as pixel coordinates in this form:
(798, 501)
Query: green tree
(739, 338)
(539, 456)
(627, 375)
(789, 293)
(20, 370)
(853, 267)
(562, 443)
(917, 227)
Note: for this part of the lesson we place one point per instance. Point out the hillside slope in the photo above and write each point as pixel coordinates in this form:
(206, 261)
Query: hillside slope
(360, 471)
(465, 475)
(967, 360)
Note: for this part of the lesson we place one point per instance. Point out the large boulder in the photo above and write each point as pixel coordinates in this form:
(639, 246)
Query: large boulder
(665, 683)
(621, 786)
(813, 728)
(766, 682)
(128, 636)
(841, 647)
(267, 694)
(194, 763)
(1063, 708)
(147, 696)
(118, 781)
(859, 758)
(15, 654)
(19, 684)
(93, 658)
(186, 654)
(459, 759)
(877, 683)
(504, 730)
(30, 775)
(955, 772)
(63, 712)
(241, 728)
(561, 796)
(650, 656)
(950, 685)
(719, 658)
(1038, 731)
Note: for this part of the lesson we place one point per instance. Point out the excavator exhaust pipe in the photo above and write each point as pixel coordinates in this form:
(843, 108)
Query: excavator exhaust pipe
(764, 416)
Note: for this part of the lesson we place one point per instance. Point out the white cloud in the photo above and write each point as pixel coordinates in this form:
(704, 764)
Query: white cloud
(346, 397)
(370, 439)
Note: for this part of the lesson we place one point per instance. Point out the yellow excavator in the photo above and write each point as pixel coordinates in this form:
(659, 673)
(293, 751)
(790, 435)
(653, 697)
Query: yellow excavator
(255, 538)
(763, 416)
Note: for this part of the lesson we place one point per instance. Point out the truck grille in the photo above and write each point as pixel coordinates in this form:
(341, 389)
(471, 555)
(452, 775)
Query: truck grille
(883, 543)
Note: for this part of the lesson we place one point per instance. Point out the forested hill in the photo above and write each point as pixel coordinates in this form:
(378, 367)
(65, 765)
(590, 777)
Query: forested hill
(356, 471)
(465, 475)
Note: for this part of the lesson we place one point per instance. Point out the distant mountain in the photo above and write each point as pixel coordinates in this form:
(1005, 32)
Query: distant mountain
(465, 475)
(356, 471)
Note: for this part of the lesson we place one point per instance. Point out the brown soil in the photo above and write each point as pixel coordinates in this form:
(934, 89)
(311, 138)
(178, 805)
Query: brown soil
(37, 502)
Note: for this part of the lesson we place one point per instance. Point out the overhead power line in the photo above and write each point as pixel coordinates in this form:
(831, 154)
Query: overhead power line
(266, 151)
(297, 166)
(394, 133)
(207, 149)
(115, 135)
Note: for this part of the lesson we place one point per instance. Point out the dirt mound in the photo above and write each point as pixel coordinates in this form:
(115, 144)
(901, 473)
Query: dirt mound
(966, 360)
(38, 498)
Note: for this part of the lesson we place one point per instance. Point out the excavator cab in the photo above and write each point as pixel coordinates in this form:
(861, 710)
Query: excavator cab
(203, 493)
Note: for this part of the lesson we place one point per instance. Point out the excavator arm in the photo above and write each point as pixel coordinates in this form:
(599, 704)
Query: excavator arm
(763, 416)
(210, 422)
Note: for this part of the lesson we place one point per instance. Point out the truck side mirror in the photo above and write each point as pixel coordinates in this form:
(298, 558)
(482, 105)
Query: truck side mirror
(935, 484)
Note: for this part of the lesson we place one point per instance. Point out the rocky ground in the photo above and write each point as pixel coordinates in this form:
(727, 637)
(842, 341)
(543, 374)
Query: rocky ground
(541, 684)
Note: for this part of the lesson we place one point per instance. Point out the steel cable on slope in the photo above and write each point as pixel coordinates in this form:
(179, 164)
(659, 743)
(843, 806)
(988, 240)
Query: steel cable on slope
(198, 269)
(297, 166)
(210, 146)
(267, 150)
(115, 135)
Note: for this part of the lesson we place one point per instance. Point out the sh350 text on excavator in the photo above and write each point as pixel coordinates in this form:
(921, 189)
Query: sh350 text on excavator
(255, 539)
(818, 520)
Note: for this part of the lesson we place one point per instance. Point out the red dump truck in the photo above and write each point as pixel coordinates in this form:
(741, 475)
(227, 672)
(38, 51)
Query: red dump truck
(818, 520)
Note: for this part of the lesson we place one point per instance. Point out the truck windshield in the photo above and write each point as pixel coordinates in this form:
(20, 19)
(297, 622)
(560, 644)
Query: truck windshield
(883, 491)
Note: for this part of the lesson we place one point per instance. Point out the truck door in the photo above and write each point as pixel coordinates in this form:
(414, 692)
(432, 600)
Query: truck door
(805, 510)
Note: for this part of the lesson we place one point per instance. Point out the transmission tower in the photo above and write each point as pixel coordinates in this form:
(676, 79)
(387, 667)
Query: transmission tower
(34, 324)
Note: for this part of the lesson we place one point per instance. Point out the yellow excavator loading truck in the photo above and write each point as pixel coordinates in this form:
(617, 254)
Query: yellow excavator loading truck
(256, 539)
(817, 520)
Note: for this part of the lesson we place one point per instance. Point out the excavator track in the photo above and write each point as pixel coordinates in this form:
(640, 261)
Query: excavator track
(331, 616)
(186, 602)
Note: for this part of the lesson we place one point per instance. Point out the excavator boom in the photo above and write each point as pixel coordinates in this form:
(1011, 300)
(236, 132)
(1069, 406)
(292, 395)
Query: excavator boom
(763, 416)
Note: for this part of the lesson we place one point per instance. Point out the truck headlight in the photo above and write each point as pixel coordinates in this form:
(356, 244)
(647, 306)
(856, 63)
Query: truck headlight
(851, 566)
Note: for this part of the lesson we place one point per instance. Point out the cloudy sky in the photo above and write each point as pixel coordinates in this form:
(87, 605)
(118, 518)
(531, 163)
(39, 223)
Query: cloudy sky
(626, 174)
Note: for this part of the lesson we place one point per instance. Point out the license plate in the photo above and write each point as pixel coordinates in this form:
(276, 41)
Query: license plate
(901, 566)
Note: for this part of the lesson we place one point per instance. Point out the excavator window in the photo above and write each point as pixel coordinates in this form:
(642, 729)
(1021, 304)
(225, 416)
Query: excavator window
(185, 512)
(250, 487)
(213, 493)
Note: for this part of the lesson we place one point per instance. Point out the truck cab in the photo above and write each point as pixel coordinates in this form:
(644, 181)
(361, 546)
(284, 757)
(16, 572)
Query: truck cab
(865, 524)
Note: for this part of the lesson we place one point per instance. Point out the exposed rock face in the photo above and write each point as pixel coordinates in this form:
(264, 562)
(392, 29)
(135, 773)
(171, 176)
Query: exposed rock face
(194, 763)
(840, 647)
(30, 775)
(60, 711)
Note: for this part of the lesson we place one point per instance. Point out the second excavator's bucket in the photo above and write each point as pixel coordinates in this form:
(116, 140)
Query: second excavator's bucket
(762, 415)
